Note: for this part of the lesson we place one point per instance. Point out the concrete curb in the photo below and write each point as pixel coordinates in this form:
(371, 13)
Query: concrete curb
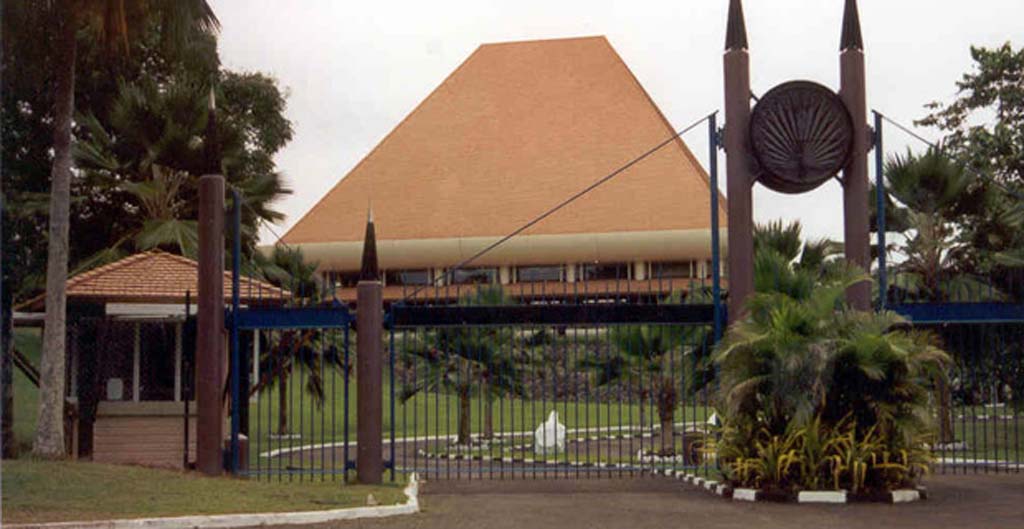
(821, 496)
(411, 506)
(622, 432)
(807, 496)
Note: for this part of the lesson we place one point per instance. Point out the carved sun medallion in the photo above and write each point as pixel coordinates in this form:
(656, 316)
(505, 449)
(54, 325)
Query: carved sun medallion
(801, 135)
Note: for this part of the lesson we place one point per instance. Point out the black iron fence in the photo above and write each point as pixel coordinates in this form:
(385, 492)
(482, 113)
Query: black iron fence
(501, 385)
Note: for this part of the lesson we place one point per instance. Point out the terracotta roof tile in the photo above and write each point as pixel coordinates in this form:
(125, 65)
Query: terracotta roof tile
(154, 276)
(514, 130)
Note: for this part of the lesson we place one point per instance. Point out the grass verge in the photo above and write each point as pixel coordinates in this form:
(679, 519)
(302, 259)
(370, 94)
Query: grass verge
(50, 491)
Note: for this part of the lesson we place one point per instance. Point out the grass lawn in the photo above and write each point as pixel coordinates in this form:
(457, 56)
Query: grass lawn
(437, 414)
(994, 438)
(45, 491)
(428, 414)
(26, 394)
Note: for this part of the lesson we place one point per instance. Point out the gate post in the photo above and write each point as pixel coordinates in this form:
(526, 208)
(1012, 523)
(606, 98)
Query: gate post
(737, 164)
(369, 354)
(209, 336)
(856, 236)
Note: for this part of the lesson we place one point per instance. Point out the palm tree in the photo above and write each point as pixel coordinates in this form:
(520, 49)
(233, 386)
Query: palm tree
(659, 360)
(110, 19)
(465, 361)
(308, 350)
(784, 262)
(792, 361)
(931, 191)
(146, 159)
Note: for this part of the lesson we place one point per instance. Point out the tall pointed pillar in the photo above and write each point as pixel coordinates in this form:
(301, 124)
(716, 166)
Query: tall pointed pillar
(855, 175)
(211, 359)
(369, 360)
(739, 180)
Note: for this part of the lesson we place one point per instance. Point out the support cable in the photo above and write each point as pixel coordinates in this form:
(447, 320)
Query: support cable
(450, 272)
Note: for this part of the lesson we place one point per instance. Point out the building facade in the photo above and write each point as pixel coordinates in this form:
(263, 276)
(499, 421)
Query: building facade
(514, 131)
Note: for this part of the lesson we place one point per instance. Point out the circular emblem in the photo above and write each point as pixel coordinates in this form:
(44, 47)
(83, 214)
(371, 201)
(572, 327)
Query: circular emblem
(801, 135)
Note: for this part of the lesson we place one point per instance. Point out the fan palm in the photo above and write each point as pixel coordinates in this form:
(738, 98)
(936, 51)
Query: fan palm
(465, 361)
(146, 159)
(934, 264)
(794, 360)
(308, 350)
(783, 262)
(660, 361)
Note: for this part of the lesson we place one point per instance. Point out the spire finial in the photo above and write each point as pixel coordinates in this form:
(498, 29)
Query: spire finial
(736, 28)
(211, 151)
(851, 37)
(369, 271)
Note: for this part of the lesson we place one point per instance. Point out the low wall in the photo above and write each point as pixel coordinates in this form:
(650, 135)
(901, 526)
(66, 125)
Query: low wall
(143, 433)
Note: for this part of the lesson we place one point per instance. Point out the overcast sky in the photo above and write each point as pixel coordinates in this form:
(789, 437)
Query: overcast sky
(353, 70)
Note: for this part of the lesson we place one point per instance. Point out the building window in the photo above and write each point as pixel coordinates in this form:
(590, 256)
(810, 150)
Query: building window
(528, 274)
(474, 276)
(673, 270)
(140, 360)
(597, 271)
(342, 279)
(407, 277)
(157, 361)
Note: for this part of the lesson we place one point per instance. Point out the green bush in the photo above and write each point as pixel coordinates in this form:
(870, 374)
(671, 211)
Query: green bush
(815, 395)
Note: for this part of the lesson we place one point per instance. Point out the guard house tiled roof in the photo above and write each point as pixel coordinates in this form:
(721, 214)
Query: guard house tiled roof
(515, 129)
(154, 276)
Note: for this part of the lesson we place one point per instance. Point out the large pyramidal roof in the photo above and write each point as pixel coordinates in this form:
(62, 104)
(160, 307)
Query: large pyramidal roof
(514, 130)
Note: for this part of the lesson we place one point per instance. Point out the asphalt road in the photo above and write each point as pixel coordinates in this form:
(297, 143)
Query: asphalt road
(960, 501)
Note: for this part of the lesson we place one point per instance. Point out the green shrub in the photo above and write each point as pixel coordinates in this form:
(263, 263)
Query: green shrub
(814, 394)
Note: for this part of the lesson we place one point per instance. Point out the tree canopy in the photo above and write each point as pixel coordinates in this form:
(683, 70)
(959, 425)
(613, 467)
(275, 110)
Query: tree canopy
(139, 136)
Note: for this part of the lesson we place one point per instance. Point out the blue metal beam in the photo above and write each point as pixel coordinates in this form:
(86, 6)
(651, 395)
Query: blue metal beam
(293, 318)
(936, 313)
(716, 266)
(883, 278)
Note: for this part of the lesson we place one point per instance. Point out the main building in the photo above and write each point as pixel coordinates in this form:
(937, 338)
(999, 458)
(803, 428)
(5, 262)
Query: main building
(516, 129)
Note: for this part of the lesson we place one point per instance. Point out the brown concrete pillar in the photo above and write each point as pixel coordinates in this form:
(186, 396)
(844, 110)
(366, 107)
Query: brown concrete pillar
(369, 356)
(369, 381)
(856, 235)
(210, 356)
(739, 180)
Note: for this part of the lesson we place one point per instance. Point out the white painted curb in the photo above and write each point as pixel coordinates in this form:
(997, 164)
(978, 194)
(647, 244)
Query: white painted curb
(744, 494)
(822, 496)
(905, 495)
(411, 506)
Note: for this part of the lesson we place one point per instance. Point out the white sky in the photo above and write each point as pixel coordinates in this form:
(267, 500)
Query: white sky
(353, 70)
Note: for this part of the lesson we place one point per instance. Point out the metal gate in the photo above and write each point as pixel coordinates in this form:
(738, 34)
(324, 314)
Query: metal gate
(581, 378)
(290, 377)
(979, 407)
(551, 384)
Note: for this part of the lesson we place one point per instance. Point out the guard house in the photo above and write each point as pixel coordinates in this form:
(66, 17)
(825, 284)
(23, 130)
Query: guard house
(130, 348)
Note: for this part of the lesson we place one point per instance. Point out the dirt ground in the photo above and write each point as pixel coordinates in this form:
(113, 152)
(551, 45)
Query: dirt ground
(960, 501)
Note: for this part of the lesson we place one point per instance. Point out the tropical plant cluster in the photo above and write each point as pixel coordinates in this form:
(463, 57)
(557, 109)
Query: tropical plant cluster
(815, 395)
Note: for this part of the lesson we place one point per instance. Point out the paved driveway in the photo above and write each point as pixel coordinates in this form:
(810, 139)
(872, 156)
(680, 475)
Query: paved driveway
(962, 502)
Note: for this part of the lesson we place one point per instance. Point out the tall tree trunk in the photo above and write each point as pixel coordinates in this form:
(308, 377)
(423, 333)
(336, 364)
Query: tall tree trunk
(10, 450)
(667, 438)
(945, 409)
(488, 403)
(464, 417)
(282, 403)
(643, 403)
(667, 397)
(49, 439)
